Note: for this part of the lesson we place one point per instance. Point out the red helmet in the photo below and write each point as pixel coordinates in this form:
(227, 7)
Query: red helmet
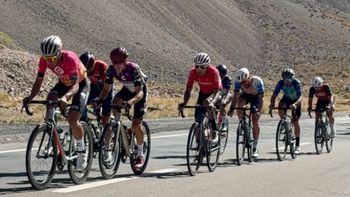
(118, 55)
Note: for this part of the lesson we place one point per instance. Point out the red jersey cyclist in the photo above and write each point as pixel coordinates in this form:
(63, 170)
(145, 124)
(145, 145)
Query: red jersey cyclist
(73, 84)
(252, 91)
(97, 71)
(325, 100)
(133, 92)
(208, 79)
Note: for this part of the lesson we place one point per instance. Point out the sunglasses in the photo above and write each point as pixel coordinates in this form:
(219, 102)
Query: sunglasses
(52, 58)
(289, 80)
(200, 67)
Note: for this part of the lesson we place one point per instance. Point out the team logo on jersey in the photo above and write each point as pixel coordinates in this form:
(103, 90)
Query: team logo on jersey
(123, 78)
(58, 70)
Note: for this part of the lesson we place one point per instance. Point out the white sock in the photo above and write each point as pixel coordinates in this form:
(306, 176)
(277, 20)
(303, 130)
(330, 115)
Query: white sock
(140, 150)
(80, 145)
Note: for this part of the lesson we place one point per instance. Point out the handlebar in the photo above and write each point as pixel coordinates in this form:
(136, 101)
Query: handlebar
(278, 108)
(29, 111)
(127, 110)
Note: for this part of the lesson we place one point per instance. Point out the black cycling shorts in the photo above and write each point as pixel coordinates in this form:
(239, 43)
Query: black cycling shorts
(139, 107)
(285, 100)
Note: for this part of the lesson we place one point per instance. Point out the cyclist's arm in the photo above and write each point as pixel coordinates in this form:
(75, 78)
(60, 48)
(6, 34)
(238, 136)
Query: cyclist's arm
(105, 90)
(311, 97)
(261, 101)
(299, 91)
(36, 86)
(276, 92)
(234, 100)
(138, 96)
(187, 95)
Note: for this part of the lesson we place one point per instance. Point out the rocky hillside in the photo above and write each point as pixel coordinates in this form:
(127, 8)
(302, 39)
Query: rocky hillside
(311, 36)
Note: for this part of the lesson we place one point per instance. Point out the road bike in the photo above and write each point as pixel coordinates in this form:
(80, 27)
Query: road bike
(223, 130)
(285, 135)
(49, 146)
(244, 139)
(322, 132)
(118, 142)
(200, 144)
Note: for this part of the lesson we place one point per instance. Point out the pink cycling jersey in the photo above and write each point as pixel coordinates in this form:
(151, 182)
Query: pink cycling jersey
(208, 82)
(68, 68)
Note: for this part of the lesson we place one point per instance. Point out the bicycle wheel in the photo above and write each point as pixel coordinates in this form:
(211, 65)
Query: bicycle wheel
(292, 144)
(318, 139)
(250, 142)
(212, 147)
(146, 150)
(79, 176)
(109, 153)
(240, 144)
(194, 155)
(224, 137)
(281, 141)
(41, 157)
(329, 138)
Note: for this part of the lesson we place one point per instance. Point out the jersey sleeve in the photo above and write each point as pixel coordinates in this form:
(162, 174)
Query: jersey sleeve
(103, 69)
(237, 86)
(226, 83)
(190, 79)
(259, 85)
(311, 92)
(136, 76)
(42, 67)
(109, 75)
(328, 90)
(298, 88)
(278, 88)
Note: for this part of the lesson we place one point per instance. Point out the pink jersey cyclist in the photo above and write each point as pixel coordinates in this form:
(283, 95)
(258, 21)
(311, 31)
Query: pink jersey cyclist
(207, 82)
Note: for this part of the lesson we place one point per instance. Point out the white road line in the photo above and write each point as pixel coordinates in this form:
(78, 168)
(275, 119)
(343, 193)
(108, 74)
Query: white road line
(13, 151)
(106, 182)
(168, 136)
(301, 144)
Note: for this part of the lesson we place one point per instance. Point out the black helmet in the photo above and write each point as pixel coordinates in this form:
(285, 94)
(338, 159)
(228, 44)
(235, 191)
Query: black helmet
(88, 59)
(288, 73)
(222, 68)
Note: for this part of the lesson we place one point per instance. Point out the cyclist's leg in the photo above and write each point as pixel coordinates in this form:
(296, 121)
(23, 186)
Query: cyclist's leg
(123, 95)
(211, 113)
(56, 92)
(242, 101)
(106, 108)
(331, 118)
(283, 103)
(295, 122)
(254, 102)
(199, 112)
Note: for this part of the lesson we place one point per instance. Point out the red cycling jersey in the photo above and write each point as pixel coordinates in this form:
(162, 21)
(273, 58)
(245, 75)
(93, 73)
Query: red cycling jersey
(208, 82)
(68, 68)
(323, 93)
(98, 75)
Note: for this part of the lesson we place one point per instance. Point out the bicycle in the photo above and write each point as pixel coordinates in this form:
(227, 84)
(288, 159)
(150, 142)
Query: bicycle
(244, 139)
(285, 135)
(200, 144)
(47, 147)
(322, 132)
(118, 142)
(223, 131)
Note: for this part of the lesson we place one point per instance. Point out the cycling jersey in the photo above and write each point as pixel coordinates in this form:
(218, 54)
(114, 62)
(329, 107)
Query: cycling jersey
(68, 68)
(98, 75)
(323, 93)
(256, 86)
(292, 92)
(226, 82)
(130, 77)
(208, 82)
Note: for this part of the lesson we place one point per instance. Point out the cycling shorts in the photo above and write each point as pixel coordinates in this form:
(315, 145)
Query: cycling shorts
(285, 100)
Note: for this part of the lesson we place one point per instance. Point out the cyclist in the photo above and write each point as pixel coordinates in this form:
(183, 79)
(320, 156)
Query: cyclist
(208, 79)
(133, 92)
(292, 98)
(252, 91)
(96, 71)
(73, 84)
(325, 100)
(225, 92)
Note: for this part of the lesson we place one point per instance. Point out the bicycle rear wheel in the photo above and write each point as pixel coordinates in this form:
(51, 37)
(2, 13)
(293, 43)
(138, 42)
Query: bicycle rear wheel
(329, 139)
(281, 141)
(110, 148)
(319, 142)
(194, 149)
(41, 157)
(146, 150)
(80, 176)
(224, 137)
(240, 145)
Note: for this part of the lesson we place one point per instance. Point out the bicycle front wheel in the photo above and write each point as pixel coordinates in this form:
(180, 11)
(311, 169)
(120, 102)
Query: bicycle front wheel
(319, 142)
(146, 150)
(281, 141)
(194, 149)
(109, 153)
(80, 176)
(329, 139)
(212, 146)
(224, 137)
(240, 145)
(41, 157)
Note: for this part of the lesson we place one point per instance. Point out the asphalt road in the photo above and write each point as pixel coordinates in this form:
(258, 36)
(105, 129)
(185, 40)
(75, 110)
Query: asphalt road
(166, 174)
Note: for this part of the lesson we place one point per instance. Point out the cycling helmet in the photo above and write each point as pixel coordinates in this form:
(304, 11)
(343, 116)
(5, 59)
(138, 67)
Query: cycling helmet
(51, 46)
(119, 55)
(201, 59)
(317, 82)
(288, 73)
(242, 74)
(222, 69)
(87, 59)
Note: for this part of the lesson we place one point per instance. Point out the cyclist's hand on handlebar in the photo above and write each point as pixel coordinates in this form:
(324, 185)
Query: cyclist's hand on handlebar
(181, 106)
(25, 102)
(63, 102)
(126, 105)
(293, 106)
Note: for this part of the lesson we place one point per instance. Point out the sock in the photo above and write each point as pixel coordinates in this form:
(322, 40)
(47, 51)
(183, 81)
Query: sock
(255, 145)
(140, 150)
(80, 145)
(297, 141)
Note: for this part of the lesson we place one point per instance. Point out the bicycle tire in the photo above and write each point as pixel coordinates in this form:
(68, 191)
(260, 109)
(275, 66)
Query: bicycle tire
(42, 183)
(109, 168)
(240, 144)
(281, 139)
(292, 144)
(194, 150)
(329, 139)
(250, 142)
(79, 177)
(319, 141)
(224, 138)
(212, 148)
(146, 150)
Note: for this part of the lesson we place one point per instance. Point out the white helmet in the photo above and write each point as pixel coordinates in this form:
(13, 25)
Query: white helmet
(317, 82)
(242, 74)
(51, 45)
(201, 59)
